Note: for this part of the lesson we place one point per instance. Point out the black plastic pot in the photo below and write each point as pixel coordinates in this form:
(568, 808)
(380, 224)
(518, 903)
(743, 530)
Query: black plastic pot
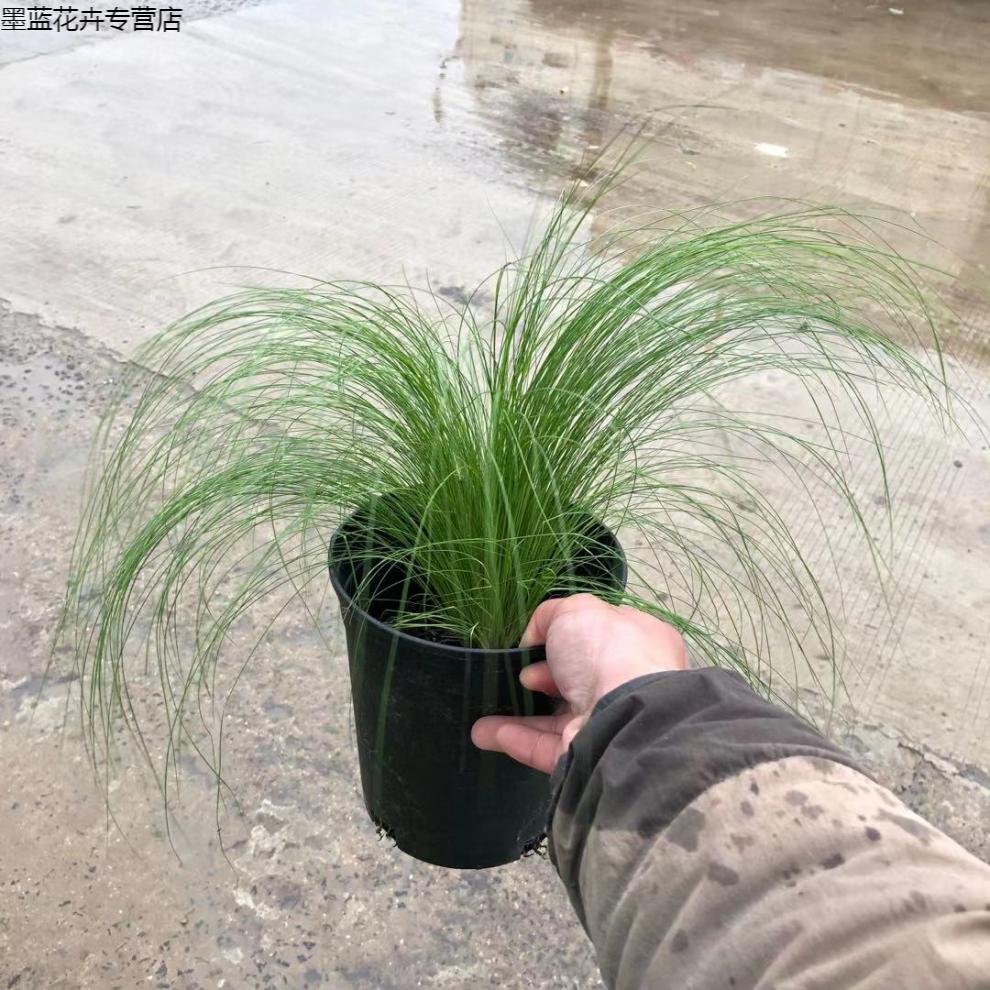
(425, 784)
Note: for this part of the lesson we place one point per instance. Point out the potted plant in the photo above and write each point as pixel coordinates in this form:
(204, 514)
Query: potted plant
(460, 464)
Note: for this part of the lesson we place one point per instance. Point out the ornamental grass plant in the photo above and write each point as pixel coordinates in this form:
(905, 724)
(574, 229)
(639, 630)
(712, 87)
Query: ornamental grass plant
(591, 378)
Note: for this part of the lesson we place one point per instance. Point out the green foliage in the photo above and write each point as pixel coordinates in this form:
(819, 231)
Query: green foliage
(585, 378)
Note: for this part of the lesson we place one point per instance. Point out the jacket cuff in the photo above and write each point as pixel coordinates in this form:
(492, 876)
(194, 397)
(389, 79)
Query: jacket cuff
(678, 733)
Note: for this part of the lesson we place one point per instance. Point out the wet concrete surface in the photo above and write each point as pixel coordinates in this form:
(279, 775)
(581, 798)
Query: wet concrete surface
(17, 45)
(392, 144)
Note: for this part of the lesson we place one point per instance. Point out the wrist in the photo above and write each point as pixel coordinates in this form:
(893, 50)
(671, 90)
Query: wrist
(618, 675)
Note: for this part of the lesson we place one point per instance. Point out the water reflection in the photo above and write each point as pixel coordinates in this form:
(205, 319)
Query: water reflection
(858, 106)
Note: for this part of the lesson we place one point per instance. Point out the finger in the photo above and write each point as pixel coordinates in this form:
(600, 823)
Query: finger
(522, 742)
(539, 623)
(542, 723)
(537, 677)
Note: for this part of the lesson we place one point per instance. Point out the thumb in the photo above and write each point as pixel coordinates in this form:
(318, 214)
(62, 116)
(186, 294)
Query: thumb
(539, 623)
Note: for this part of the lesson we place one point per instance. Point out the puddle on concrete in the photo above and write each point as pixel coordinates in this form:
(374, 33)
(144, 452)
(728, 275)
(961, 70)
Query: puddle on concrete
(846, 104)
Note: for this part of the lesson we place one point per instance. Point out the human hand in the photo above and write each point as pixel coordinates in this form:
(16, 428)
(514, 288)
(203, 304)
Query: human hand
(592, 648)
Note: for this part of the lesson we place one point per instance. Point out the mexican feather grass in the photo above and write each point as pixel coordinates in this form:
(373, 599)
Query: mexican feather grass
(588, 378)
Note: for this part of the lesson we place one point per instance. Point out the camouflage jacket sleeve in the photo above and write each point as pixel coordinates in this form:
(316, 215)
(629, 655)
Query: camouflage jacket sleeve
(708, 839)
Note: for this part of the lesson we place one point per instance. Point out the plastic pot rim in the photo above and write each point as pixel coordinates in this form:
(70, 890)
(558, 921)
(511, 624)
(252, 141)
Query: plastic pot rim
(448, 650)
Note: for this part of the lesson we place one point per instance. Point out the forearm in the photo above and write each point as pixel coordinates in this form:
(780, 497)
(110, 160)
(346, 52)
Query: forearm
(708, 839)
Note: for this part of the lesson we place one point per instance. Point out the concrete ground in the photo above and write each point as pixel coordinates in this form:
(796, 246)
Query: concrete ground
(141, 175)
